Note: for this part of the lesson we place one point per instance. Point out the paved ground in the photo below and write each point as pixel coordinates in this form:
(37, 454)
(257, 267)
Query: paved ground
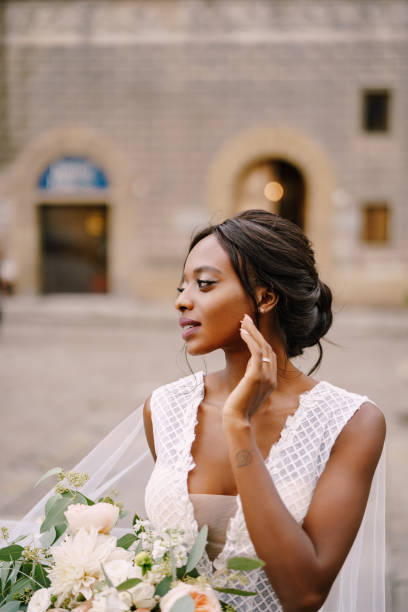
(71, 368)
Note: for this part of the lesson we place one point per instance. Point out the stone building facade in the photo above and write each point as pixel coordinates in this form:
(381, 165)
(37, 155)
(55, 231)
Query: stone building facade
(176, 103)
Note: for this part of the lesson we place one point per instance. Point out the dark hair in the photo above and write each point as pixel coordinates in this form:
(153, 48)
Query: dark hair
(269, 251)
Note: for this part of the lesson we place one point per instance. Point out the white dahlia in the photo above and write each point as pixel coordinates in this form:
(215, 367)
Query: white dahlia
(78, 563)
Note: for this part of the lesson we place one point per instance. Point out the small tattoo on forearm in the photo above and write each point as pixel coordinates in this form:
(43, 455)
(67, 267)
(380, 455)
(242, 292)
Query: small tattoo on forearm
(243, 458)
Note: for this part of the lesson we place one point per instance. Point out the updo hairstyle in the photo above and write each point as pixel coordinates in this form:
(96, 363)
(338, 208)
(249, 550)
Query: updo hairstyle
(269, 251)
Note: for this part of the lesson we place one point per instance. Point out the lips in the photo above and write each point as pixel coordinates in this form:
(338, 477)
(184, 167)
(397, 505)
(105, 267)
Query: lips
(189, 326)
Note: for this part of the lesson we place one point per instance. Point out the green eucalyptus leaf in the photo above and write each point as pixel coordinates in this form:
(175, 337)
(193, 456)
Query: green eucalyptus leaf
(15, 570)
(51, 472)
(163, 587)
(244, 564)
(198, 549)
(4, 572)
(76, 497)
(126, 540)
(56, 516)
(48, 538)
(107, 579)
(59, 530)
(128, 584)
(51, 502)
(21, 584)
(10, 606)
(184, 604)
(11, 553)
(173, 565)
(236, 592)
(40, 575)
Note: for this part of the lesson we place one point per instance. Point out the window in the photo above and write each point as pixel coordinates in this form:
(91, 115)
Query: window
(376, 110)
(376, 221)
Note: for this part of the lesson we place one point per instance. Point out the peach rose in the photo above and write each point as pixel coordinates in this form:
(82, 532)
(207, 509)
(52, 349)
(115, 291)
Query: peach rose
(101, 517)
(204, 598)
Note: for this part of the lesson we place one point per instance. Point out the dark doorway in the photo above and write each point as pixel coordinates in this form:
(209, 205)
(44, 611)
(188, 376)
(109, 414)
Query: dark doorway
(275, 185)
(73, 248)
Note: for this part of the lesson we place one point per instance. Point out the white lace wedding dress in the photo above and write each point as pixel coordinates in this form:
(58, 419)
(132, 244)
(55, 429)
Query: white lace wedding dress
(295, 463)
(122, 460)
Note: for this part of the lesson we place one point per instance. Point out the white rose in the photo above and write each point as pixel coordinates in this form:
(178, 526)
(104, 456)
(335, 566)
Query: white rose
(204, 598)
(120, 570)
(40, 601)
(143, 595)
(109, 601)
(100, 516)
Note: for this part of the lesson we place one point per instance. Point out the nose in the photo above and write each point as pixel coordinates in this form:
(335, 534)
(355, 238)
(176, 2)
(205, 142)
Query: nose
(183, 301)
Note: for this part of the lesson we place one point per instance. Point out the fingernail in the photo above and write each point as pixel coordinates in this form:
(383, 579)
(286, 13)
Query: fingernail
(247, 317)
(244, 331)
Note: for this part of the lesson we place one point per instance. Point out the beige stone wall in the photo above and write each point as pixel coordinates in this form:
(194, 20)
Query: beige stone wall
(171, 97)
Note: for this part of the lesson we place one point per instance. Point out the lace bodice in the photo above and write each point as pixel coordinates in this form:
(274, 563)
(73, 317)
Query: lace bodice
(295, 463)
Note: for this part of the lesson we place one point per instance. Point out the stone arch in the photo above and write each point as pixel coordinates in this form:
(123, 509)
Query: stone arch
(298, 149)
(23, 192)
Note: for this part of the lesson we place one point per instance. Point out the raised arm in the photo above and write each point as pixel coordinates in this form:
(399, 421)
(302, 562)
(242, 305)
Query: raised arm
(302, 561)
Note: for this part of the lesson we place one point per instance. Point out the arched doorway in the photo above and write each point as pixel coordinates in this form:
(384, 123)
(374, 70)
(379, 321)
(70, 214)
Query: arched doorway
(79, 171)
(73, 221)
(274, 185)
(295, 152)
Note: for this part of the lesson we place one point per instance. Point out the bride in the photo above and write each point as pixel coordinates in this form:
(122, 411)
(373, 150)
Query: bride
(277, 464)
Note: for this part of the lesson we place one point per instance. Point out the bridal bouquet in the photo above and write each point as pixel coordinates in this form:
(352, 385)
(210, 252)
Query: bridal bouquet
(75, 563)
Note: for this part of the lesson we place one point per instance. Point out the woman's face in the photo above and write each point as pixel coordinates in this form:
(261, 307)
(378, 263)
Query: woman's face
(213, 301)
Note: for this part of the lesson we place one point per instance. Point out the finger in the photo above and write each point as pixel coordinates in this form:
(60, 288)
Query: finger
(253, 346)
(250, 326)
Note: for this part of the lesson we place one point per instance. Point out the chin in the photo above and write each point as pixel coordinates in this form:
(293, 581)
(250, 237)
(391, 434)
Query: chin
(196, 351)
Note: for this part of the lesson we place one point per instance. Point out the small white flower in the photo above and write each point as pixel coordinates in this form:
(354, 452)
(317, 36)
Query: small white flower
(120, 570)
(110, 601)
(159, 550)
(143, 595)
(40, 601)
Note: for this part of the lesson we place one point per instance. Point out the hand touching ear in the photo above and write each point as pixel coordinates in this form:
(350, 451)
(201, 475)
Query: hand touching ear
(260, 377)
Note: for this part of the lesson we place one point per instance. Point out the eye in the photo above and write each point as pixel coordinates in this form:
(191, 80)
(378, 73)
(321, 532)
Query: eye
(205, 283)
(180, 289)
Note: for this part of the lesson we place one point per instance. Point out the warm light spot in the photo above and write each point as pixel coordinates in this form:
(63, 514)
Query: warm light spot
(95, 225)
(274, 191)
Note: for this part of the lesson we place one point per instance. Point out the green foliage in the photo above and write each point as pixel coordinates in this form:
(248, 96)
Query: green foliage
(184, 604)
(11, 553)
(128, 584)
(163, 587)
(198, 549)
(51, 472)
(11, 606)
(244, 564)
(126, 540)
(55, 516)
(235, 592)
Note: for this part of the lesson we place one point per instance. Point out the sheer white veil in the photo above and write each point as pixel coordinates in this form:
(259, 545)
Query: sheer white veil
(122, 461)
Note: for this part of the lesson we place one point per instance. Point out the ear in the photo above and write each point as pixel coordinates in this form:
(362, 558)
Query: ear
(266, 299)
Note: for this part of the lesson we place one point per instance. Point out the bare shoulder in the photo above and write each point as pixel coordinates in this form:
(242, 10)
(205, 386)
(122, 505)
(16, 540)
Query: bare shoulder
(363, 435)
(148, 426)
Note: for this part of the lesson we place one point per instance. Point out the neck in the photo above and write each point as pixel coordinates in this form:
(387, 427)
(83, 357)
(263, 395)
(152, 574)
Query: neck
(236, 363)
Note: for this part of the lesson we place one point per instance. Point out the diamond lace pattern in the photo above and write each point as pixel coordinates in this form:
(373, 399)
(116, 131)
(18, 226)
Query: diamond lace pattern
(295, 463)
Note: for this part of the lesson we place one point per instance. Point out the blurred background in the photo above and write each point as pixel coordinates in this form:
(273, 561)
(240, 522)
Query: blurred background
(127, 124)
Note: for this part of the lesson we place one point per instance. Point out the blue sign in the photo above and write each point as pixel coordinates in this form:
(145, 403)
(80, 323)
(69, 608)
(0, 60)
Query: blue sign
(70, 174)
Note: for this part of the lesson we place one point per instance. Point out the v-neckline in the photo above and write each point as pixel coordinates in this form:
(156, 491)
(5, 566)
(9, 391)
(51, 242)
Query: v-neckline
(289, 426)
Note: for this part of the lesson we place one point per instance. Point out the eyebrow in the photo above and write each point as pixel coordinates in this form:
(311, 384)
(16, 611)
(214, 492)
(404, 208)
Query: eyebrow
(204, 269)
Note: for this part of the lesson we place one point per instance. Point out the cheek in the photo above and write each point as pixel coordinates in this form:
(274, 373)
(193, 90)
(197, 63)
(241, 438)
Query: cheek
(228, 312)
